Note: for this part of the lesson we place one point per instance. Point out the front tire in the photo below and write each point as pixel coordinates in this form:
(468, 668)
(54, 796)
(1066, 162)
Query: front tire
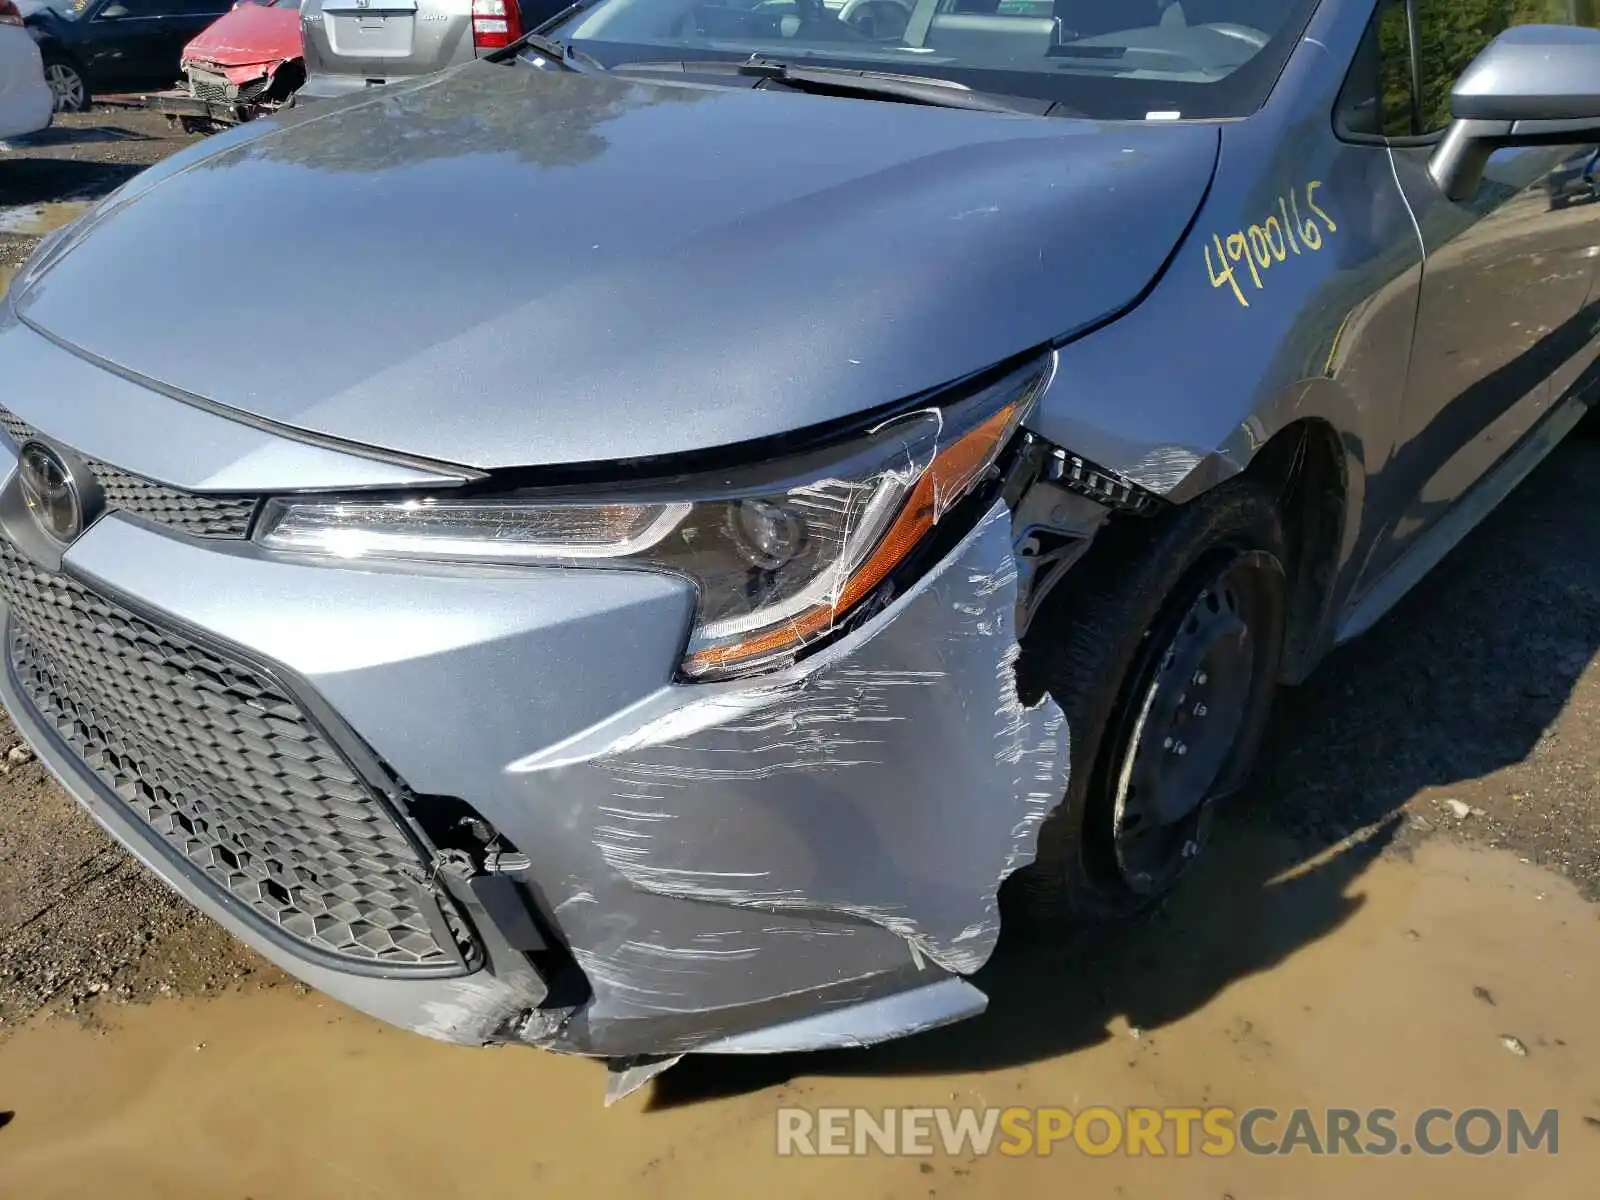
(1163, 648)
(67, 85)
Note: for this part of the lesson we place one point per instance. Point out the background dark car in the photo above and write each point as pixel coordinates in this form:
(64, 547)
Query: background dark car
(94, 46)
(1573, 180)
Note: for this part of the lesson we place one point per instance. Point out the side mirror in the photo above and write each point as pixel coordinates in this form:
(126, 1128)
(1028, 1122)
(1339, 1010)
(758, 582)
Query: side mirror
(113, 12)
(1534, 85)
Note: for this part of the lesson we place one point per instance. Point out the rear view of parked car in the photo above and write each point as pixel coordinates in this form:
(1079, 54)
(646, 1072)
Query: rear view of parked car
(354, 44)
(246, 64)
(25, 104)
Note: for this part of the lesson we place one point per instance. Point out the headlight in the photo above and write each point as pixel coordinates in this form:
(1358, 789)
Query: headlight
(778, 564)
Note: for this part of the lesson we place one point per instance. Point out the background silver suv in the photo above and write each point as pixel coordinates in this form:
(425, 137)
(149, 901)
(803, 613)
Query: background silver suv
(353, 44)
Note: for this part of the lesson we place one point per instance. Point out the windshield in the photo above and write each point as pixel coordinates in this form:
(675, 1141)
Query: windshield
(1106, 59)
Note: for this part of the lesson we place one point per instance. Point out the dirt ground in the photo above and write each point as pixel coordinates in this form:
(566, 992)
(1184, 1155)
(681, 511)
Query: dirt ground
(1401, 913)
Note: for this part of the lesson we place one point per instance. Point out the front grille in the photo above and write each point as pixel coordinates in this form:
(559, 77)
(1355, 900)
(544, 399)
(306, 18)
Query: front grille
(222, 765)
(215, 89)
(185, 512)
(208, 88)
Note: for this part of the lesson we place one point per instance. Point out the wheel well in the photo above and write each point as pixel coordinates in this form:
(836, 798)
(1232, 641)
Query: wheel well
(287, 80)
(1304, 465)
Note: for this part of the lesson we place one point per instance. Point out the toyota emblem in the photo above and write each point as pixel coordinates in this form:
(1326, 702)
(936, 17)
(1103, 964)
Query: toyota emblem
(51, 492)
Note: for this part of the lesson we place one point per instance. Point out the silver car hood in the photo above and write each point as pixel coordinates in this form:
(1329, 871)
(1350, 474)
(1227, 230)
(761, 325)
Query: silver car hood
(505, 266)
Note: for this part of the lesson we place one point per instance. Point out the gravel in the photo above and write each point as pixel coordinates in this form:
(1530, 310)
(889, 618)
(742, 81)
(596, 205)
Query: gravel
(82, 156)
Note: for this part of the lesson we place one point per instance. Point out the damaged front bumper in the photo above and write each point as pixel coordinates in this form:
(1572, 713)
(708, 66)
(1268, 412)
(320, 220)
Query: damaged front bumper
(809, 859)
(631, 865)
(223, 95)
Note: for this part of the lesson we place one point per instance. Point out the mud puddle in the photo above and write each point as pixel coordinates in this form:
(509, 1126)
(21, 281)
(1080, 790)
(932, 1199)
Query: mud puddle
(36, 220)
(31, 221)
(1405, 1005)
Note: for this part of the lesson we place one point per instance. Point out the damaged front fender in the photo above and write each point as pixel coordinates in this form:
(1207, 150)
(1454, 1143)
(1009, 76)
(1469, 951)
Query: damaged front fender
(894, 778)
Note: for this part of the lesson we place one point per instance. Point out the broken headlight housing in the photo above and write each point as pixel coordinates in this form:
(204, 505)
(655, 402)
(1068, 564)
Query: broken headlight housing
(780, 561)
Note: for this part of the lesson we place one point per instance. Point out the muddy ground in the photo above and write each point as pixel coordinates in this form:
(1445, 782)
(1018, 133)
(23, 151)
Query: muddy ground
(1410, 882)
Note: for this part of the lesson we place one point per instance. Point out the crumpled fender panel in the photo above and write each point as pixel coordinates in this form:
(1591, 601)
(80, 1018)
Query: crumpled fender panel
(895, 778)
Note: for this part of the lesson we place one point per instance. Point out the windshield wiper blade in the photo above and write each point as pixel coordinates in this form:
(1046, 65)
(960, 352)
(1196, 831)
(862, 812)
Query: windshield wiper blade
(539, 40)
(853, 81)
(558, 52)
(914, 89)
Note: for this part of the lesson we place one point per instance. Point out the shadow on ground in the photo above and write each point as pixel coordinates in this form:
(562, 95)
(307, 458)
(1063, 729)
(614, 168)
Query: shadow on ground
(1464, 678)
(47, 180)
(63, 135)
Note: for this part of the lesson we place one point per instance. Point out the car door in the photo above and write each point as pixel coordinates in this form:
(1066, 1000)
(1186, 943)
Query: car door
(1504, 322)
(181, 21)
(189, 19)
(121, 39)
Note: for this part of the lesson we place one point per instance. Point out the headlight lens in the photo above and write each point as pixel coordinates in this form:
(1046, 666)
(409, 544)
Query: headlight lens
(777, 566)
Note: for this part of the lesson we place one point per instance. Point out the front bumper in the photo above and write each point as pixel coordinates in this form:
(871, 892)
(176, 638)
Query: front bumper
(805, 859)
(320, 86)
(181, 104)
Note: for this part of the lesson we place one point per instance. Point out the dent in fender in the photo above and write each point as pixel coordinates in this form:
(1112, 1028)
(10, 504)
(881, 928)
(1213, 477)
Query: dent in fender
(895, 777)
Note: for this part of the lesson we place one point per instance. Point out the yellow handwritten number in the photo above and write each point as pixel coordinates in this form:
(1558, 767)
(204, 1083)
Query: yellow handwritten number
(1309, 233)
(1294, 242)
(1258, 247)
(1275, 239)
(1311, 191)
(1239, 251)
(1225, 275)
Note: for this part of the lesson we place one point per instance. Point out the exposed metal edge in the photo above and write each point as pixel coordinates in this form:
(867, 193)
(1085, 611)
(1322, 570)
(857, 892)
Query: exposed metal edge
(625, 1076)
(1431, 547)
(864, 1024)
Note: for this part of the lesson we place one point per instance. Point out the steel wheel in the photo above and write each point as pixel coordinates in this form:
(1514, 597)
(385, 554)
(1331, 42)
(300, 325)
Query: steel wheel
(1188, 722)
(1163, 649)
(67, 86)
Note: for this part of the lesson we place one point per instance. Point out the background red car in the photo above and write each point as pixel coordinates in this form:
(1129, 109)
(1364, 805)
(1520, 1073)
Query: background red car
(246, 63)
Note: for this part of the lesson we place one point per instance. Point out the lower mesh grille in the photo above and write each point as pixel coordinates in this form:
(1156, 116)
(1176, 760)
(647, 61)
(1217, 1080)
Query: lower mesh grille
(225, 768)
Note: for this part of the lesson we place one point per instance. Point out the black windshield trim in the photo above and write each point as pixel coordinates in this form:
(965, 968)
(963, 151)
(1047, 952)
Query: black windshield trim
(1097, 95)
(781, 75)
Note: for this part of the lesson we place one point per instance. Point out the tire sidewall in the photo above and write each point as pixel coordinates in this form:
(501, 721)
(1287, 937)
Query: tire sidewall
(1071, 872)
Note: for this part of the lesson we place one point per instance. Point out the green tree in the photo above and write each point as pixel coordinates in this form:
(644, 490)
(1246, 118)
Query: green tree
(1454, 32)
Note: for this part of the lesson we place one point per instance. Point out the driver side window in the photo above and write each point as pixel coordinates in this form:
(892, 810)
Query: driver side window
(136, 9)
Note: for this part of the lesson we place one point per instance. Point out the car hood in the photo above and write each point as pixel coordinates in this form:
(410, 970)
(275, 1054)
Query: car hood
(508, 266)
(248, 36)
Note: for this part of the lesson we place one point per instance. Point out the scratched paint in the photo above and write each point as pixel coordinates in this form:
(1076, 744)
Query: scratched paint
(1162, 468)
(811, 792)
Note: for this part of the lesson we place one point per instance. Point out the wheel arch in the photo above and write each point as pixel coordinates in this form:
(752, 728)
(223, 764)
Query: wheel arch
(1308, 468)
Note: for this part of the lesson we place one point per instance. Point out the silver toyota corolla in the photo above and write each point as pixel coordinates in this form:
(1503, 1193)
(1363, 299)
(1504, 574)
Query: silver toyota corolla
(635, 540)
